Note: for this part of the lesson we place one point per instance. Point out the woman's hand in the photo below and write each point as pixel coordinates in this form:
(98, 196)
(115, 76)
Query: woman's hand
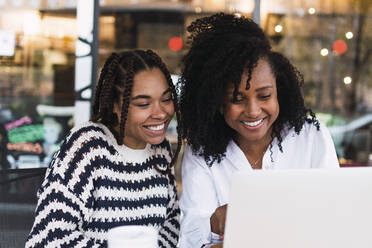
(218, 219)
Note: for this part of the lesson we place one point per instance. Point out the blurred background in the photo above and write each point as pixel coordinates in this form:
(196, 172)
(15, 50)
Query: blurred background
(329, 41)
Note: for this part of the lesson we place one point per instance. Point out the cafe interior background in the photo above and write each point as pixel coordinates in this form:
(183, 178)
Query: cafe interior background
(328, 40)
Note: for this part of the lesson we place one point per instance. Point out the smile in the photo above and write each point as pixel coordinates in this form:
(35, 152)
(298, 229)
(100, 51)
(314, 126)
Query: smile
(156, 128)
(253, 123)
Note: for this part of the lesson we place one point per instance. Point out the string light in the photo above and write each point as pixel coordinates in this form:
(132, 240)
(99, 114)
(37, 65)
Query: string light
(324, 52)
(347, 80)
(311, 11)
(349, 35)
(278, 28)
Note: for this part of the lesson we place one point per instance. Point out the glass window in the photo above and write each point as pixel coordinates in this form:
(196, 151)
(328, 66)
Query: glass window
(329, 41)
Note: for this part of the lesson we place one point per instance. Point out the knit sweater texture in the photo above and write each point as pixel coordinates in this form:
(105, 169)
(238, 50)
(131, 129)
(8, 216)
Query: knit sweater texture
(93, 184)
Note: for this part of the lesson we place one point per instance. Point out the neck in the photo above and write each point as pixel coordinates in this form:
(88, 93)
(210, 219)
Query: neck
(115, 130)
(254, 150)
(254, 147)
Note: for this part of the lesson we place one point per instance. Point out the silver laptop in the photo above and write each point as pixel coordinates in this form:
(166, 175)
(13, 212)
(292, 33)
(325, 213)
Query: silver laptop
(315, 208)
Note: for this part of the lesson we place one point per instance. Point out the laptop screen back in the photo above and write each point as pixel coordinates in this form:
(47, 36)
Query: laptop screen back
(300, 209)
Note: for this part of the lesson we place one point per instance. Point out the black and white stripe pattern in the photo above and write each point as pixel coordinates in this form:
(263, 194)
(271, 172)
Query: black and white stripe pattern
(93, 184)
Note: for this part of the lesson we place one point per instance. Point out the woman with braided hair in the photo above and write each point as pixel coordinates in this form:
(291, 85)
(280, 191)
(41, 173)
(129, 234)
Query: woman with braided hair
(242, 109)
(117, 168)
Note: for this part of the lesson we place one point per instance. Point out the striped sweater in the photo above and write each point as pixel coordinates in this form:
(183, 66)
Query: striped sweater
(93, 184)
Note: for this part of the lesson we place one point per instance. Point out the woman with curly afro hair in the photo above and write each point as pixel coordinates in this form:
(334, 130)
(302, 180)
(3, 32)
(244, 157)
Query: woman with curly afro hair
(242, 109)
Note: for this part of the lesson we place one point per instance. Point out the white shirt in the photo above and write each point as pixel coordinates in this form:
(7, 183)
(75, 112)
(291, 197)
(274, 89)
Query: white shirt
(206, 188)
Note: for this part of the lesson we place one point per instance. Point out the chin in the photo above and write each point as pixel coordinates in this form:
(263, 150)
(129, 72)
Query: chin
(156, 141)
(254, 138)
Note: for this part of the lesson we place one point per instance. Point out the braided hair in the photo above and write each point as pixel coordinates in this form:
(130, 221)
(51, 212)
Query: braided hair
(222, 47)
(116, 83)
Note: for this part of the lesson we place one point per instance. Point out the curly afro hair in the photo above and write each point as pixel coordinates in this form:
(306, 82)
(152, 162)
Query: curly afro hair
(116, 81)
(222, 46)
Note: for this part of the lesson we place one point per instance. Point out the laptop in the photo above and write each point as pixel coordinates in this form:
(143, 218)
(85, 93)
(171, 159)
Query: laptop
(314, 208)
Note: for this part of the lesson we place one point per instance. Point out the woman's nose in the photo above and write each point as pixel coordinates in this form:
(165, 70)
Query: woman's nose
(252, 109)
(158, 112)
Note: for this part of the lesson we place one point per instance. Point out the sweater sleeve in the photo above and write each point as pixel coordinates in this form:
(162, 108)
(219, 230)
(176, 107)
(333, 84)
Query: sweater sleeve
(169, 231)
(65, 198)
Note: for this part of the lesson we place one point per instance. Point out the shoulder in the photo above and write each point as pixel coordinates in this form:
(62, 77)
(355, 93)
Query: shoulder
(309, 134)
(192, 159)
(82, 140)
(318, 144)
(163, 147)
(91, 131)
(81, 134)
(310, 129)
(160, 154)
(189, 154)
(78, 150)
(196, 157)
(86, 128)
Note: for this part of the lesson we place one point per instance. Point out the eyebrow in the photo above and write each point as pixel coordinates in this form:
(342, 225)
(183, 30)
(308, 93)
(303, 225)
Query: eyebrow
(259, 89)
(264, 88)
(148, 97)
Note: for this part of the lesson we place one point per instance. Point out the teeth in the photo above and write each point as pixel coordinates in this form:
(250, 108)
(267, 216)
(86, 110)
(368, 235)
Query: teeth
(252, 124)
(156, 128)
